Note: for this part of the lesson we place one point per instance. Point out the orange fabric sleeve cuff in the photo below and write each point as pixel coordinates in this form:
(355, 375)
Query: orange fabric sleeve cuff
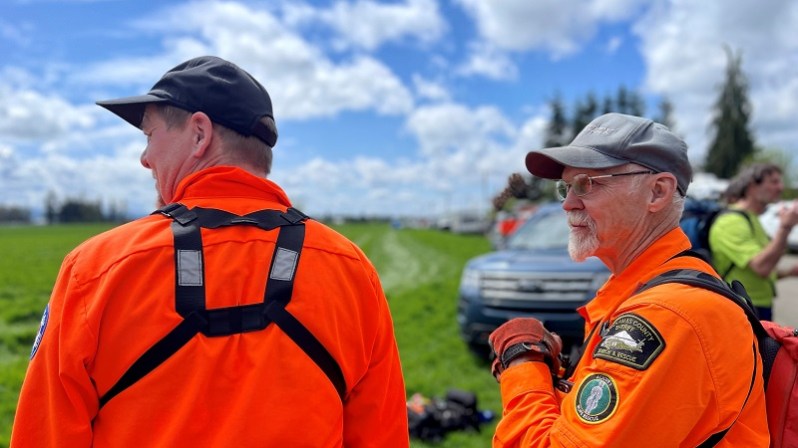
(524, 378)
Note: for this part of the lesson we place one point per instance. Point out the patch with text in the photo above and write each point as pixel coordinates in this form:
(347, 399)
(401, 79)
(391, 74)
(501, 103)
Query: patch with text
(631, 341)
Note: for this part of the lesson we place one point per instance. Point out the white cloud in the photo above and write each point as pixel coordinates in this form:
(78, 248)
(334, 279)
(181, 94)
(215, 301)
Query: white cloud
(368, 25)
(105, 178)
(430, 89)
(462, 148)
(302, 81)
(465, 157)
(613, 44)
(31, 115)
(446, 127)
(683, 47)
(559, 27)
(486, 60)
(17, 34)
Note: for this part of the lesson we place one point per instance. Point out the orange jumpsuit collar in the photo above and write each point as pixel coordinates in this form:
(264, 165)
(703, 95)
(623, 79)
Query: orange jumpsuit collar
(619, 287)
(218, 181)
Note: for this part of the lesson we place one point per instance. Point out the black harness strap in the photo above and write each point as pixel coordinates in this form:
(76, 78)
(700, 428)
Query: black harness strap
(155, 356)
(305, 340)
(692, 277)
(190, 292)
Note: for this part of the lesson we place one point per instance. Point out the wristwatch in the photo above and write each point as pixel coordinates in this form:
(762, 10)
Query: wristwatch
(514, 351)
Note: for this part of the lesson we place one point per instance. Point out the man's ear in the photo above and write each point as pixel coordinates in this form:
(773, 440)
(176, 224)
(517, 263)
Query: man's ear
(662, 189)
(201, 133)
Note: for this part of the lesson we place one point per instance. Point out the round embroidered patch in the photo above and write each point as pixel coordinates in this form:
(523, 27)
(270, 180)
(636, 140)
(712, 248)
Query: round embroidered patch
(596, 399)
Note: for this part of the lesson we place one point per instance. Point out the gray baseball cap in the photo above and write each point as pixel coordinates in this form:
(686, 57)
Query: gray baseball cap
(615, 139)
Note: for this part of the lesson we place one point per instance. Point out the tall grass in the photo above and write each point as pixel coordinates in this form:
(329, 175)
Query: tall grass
(420, 270)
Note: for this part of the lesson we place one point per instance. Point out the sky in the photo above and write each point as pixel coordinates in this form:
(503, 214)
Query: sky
(389, 108)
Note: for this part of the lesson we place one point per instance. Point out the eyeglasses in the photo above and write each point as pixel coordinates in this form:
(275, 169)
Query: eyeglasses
(582, 184)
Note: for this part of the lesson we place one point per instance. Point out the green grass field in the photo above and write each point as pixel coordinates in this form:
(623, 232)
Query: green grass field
(420, 271)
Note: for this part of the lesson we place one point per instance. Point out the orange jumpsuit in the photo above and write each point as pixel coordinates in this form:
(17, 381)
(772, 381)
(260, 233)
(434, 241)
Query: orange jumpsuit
(672, 367)
(114, 298)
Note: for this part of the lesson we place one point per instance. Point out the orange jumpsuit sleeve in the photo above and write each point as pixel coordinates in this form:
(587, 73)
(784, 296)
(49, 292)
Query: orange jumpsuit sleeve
(694, 387)
(375, 413)
(58, 401)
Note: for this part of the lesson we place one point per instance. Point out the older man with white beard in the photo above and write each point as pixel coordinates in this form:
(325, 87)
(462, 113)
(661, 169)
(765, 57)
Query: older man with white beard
(669, 366)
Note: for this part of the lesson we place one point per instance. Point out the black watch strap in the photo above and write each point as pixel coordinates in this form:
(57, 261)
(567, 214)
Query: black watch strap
(516, 350)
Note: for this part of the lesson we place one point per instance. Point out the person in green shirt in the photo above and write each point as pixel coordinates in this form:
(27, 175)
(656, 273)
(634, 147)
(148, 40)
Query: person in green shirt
(741, 250)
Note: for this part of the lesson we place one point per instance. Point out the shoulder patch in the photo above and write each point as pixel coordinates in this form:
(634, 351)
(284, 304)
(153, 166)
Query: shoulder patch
(40, 334)
(596, 399)
(631, 341)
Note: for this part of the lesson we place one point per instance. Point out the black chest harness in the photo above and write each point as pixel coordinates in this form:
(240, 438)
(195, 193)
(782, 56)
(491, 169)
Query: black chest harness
(190, 292)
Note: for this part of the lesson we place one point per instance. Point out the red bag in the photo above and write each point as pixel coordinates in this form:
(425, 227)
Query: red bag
(781, 393)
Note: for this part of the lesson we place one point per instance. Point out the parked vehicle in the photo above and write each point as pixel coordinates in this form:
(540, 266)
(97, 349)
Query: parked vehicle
(469, 223)
(533, 277)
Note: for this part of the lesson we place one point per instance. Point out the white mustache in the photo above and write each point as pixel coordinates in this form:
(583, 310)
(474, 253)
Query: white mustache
(579, 219)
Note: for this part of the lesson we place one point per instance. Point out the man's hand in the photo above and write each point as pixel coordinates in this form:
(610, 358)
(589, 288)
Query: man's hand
(524, 339)
(788, 215)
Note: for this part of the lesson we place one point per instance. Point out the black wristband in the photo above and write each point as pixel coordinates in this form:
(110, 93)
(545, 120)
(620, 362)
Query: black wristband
(516, 350)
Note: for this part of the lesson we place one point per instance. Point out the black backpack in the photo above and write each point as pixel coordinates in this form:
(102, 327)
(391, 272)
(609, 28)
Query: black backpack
(697, 219)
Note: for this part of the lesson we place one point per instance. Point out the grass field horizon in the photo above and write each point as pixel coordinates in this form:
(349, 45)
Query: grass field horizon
(419, 269)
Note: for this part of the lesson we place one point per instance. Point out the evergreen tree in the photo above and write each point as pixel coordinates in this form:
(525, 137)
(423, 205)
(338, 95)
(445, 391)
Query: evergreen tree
(733, 142)
(585, 113)
(636, 105)
(557, 131)
(51, 207)
(622, 101)
(607, 106)
(666, 114)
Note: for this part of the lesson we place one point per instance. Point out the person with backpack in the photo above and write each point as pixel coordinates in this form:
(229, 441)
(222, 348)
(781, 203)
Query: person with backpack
(670, 365)
(741, 250)
(225, 318)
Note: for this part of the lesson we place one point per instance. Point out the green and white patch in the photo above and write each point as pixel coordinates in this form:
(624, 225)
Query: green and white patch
(632, 341)
(596, 399)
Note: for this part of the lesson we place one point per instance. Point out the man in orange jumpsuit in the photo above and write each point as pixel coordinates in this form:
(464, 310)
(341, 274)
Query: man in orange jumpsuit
(199, 326)
(667, 367)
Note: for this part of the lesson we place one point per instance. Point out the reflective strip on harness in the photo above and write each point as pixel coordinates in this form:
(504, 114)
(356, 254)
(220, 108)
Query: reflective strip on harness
(284, 264)
(189, 267)
(190, 292)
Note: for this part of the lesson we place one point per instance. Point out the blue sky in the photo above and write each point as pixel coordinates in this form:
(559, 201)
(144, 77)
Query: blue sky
(412, 107)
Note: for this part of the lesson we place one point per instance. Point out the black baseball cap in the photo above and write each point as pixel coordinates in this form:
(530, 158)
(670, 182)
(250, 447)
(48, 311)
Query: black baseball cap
(229, 95)
(615, 139)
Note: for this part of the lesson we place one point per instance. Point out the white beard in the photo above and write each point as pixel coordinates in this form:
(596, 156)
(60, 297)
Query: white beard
(582, 243)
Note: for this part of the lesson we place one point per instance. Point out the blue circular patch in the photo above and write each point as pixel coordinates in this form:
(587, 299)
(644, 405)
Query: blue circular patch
(40, 334)
(596, 399)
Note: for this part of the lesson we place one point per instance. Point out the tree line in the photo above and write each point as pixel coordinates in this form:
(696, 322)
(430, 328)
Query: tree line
(73, 210)
(732, 146)
(68, 210)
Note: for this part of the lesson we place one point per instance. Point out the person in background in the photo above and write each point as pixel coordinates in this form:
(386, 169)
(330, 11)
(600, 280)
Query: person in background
(226, 318)
(741, 250)
(673, 365)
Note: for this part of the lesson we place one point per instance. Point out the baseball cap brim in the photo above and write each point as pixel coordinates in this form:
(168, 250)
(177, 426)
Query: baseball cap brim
(549, 163)
(131, 109)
